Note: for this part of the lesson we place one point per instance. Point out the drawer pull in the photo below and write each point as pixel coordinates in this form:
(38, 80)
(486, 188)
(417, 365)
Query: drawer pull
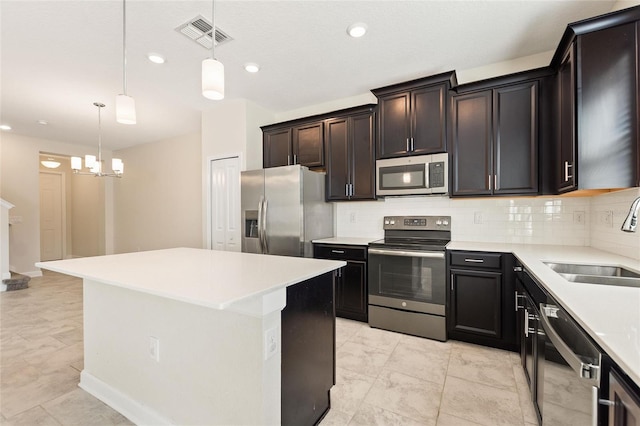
(337, 251)
(474, 260)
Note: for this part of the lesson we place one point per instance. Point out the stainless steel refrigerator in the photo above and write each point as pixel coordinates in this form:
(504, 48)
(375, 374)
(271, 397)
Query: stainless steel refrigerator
(283, 209)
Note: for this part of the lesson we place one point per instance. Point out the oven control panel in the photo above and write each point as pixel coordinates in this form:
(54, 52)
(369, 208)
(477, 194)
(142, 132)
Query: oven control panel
(428, 223)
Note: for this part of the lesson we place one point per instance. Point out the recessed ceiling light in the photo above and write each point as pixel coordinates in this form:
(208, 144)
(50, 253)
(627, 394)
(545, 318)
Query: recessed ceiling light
(156, 58)
(251, 67)
(5, 127)
(43, 122)
(357, 30)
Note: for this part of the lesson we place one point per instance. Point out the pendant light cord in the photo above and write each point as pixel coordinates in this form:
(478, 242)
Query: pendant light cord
(124, 47)
(213, 30)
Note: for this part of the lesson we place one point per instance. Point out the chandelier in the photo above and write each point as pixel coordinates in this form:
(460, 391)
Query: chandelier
(95, 164)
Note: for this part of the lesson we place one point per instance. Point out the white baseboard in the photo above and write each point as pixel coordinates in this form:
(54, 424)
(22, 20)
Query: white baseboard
(133, 410)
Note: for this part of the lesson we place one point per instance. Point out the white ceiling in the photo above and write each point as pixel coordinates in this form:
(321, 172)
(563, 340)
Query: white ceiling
(58, 57)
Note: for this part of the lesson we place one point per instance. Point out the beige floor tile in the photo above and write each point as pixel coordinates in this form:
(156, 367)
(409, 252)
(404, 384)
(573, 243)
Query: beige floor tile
(414, 398)
(422, 358)
(361, 358)
(480, 366)
(376, 338)
(346, 329)
(35, 416)
(60, 358)
(46, 387)
(370, 415)
(80, 408)
(480, 403)
(449, 420)
(70, 337)
(349, 390)
(335, 418)
(19, 347)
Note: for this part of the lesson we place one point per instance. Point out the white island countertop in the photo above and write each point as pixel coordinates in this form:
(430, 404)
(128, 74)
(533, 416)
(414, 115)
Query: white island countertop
(609, 314)
(210, 278)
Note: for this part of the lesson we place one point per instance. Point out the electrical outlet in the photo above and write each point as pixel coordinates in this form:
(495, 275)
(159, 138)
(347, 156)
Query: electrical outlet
(605, 218)
(578, 217)
(352, 217)
(154, 348)
(477, 218)
(270, 342)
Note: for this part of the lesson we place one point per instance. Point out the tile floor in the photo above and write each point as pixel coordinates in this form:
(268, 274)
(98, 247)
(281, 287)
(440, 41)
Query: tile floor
(383, 378)
(386, 378)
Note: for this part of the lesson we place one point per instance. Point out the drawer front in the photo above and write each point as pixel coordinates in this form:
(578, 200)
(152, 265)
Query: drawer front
(476, 259)
(339, 252)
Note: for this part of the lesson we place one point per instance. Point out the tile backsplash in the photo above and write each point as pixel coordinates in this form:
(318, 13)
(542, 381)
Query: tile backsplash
(573, 221)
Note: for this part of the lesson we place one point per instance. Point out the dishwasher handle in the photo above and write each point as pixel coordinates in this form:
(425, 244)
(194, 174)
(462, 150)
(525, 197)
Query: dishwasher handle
(585, 370)
(405, 253)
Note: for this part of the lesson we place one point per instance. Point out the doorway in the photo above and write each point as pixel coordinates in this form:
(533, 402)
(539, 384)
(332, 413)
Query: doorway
(52, 216)
(224, 210)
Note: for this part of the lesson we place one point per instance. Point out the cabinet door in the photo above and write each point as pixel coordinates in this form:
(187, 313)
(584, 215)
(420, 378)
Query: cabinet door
(351, 293)
(626, 408)
(308, 145)
(337, 159)
(471, 144)
(363, 175)
(276, 150)
(567, 146)
(394, 125)
(515, 153)
(428, 120)
(607, 110)
(476, 303)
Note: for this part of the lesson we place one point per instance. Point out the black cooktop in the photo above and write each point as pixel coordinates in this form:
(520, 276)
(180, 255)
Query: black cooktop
(426, 244)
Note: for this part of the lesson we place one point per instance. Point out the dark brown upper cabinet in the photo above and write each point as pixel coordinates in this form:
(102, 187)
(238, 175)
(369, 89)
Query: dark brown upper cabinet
(494, 140)
(301, 143)
(350, 157)
(412, 116)
(597, 113)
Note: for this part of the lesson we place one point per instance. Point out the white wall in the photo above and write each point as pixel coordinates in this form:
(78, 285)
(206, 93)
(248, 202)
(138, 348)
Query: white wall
(230, 128)
(606, 234)
(157, 202)
(623, 4)
(20, 186)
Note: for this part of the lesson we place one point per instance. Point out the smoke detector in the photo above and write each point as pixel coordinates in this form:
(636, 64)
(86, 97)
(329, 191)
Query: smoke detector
(199, 29)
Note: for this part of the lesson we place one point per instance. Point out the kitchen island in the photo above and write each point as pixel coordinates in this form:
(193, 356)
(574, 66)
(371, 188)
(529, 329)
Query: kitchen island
(192, 336)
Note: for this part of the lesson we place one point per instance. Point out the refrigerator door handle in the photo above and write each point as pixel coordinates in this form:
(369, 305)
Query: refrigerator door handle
(265, 245)
(260, 225)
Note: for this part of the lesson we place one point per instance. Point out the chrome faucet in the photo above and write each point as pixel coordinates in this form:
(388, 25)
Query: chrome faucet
(630, 223)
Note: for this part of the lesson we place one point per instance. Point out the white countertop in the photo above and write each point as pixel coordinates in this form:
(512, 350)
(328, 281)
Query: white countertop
(609, 314)
(349, 241)
(210, 278)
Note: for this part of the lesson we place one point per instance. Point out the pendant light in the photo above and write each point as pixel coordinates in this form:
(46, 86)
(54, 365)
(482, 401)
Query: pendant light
(212, 69)
(125, 105)
(93, 163)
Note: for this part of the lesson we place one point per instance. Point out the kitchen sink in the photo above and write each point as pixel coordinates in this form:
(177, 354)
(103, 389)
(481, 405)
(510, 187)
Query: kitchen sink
(597, 274)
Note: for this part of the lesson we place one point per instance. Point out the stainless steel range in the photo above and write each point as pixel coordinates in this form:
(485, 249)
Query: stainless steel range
(407, 281)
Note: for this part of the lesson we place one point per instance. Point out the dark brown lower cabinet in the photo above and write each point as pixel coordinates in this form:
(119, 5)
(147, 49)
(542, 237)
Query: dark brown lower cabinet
(351, 283)
(480, 302)
(625, 397)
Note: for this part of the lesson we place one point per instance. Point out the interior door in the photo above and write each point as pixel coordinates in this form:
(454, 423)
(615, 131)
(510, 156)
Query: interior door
(51, 216)
(225, 204)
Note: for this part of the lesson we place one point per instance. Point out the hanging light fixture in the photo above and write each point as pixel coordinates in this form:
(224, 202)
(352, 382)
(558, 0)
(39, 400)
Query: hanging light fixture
(212, 69)
(50, 163)
(125, 105)
(95, 164)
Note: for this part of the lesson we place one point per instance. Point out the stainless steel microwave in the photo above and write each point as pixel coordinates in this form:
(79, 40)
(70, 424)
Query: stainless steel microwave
(416, 175)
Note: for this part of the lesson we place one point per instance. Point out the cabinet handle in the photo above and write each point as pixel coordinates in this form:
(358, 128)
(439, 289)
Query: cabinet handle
(495, 182)
(337, 251)
(567, 176)
(346, 189)
(350, 190)
(288, 160)
(295, 159)
(519, 296)
(474, 260)
(408, 148)
(489, 182)
(412, 148)
(451, 282)
(517, 269)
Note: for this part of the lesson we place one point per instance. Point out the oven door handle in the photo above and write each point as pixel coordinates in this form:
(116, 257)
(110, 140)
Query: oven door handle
(585, 371)
(403, 253)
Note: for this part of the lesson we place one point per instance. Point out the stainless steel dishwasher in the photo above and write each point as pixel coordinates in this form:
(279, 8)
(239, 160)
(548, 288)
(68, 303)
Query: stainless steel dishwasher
(571, 370)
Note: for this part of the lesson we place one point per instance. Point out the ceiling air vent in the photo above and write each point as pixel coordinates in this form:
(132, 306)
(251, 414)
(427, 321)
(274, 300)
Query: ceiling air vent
(199, 28)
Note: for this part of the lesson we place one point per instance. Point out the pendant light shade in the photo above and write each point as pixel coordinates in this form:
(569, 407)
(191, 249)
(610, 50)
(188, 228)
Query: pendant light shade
(125, 109)
(212, 79)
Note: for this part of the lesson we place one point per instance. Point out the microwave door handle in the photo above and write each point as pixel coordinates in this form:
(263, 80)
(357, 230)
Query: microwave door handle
(584, 370)
(401, 253)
